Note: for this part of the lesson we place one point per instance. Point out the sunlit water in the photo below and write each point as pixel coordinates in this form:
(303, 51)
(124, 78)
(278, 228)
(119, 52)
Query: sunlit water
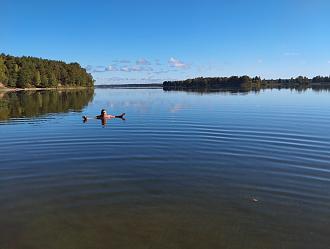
(184, 170)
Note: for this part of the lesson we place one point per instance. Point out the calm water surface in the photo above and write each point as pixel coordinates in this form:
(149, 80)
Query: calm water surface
(185, 170)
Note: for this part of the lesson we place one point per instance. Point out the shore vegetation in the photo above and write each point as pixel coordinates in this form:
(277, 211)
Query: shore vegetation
(32, 72)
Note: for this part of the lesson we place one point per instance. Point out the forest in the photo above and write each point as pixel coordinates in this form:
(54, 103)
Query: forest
(246, 82)
(32, 72)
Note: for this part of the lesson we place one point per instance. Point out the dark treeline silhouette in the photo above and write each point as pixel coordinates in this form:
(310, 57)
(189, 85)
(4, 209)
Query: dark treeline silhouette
(36, 103)
(25, 72)
(246, 82)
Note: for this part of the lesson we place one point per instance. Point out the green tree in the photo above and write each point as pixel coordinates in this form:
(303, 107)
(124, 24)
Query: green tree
(37, 79)
(24, 77)
(52, 80)
(3, 72)
(44, 80)
(13, 70)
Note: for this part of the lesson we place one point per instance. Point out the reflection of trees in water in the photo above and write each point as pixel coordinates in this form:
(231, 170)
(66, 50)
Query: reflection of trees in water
(35, 103)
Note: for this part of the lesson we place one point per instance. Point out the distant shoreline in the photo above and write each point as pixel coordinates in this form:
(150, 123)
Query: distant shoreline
(245, 82)
(131, 86)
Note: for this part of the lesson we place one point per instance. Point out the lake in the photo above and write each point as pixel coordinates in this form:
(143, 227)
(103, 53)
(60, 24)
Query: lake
(184, 170)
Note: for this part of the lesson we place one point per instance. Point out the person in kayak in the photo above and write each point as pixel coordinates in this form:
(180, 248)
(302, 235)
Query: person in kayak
(104, 116)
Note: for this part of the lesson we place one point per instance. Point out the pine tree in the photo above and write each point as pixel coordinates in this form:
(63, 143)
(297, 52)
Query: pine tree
(37, 79)
(3, 72)
(24, 77)
(52, 80)
(44, 80)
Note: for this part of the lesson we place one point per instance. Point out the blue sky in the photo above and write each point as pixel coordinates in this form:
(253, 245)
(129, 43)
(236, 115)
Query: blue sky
(154, 40)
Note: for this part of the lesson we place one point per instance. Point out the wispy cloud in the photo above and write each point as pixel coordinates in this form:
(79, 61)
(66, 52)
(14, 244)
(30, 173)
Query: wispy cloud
(115, 68)
(158, 63)
(141, 65)
(161, 71)
(89, 68)
(122, 61)
(99, 69)
(165, 71)
(328, 61)
(143, 62)
(173, 62)
(102, 69)
(111, 68)
(291, 54)
(126, 80)
(136, 69)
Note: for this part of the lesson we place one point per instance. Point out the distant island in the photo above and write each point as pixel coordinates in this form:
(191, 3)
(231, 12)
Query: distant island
(31, 72)
(152, 85)
(246, 82)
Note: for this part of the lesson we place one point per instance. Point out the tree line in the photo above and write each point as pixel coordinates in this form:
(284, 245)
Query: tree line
(26, 71)
(244, 81)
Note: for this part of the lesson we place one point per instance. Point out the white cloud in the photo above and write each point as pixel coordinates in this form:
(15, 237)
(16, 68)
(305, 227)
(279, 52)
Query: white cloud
(126, 69)
(328, 61)
(173, 62)
(111, 68)
(143, 62)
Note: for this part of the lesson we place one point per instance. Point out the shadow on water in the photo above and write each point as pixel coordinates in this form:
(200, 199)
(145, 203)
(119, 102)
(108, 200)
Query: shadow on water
(36, 103)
